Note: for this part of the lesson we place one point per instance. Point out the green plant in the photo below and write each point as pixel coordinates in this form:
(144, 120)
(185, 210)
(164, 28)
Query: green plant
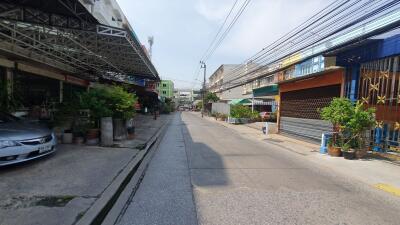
(350, 120)
(167, 106)
(199, 105)
(8, 103)
(211, 97)
(361, 120)
(241, 111)
(66, 114)
(338, 112)
(122, 102)
(108, 101)
(96, 100)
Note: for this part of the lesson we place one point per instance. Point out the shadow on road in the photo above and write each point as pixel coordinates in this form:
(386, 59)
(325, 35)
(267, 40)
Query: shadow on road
(206, 165)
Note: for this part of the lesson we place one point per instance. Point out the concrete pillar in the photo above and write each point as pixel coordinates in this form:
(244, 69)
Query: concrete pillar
(61, 91)
(10, 81)
(107, 137)
(252, 103)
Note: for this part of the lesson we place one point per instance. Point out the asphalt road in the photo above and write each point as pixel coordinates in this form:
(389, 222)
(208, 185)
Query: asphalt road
(204, 173)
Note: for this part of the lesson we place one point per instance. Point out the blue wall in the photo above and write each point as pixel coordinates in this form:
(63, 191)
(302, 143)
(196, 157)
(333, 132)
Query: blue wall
(374, 49)
(352, 58)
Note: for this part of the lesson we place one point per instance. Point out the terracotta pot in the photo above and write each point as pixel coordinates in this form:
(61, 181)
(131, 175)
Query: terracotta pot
(334, 151)
(93, 134)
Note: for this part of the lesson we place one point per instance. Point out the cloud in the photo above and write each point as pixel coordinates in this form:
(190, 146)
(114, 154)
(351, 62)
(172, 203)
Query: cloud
(183, 29)
(212, 10)
(266, 21)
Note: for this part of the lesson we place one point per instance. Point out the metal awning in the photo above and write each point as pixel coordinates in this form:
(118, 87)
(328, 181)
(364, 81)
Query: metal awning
(259, 102)
(269, 90)
(239, 101)
(85, 49)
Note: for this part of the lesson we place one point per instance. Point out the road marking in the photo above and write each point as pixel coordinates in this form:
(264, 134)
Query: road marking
(388, 188)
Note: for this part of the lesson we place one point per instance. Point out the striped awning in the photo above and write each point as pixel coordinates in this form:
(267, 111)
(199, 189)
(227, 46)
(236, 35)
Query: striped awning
(260, 102)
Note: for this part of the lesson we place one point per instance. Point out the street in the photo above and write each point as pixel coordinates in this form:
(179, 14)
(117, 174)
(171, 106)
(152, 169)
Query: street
(204, 173)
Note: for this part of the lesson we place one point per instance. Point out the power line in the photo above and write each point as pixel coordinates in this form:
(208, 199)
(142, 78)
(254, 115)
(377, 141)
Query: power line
(217, 40)
(223, 36)
(344, 17)
(219, 30)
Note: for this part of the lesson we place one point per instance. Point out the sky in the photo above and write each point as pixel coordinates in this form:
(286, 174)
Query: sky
(184, 29)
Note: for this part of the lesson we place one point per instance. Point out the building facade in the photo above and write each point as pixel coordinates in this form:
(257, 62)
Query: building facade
(186, 97)
(69, 50)
(166, 88)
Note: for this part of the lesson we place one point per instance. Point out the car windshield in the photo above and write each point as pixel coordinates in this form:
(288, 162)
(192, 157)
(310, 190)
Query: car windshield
(5, 118)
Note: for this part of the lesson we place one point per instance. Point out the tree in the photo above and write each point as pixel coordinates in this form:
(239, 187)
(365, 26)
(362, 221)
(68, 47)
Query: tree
(211, 97)
(338, 112)
(199, 105)
(349, 120)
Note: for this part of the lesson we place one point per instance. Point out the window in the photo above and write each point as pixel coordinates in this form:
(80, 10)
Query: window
(164, 92)
(164, 85)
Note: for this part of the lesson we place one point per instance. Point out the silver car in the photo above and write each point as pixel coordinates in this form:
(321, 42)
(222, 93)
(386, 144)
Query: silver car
(22, 141)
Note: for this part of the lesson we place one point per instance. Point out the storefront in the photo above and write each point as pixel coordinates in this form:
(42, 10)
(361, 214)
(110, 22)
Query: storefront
(264, 98)
(37, 90)
(372, 77)
(302, 97)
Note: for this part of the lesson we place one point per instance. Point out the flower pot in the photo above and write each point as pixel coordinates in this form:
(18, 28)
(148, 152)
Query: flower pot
(92, 134)
(67, 138)
(107, 131)
(244, 120)
(349, 155)
(334, 151)
(361, 153)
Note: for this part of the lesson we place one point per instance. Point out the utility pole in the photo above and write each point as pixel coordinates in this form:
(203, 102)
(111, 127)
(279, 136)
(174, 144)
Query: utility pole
(204, 66)
(151, 42)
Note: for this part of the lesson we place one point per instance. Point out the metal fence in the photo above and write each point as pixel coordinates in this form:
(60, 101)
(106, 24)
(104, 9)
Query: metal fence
(219, 107)
(379, 87)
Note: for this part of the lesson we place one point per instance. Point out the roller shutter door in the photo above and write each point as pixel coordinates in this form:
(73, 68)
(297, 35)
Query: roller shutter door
(299, 111)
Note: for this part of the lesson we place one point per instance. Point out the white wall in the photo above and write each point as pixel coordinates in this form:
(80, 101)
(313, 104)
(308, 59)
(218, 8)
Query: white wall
(107, 12)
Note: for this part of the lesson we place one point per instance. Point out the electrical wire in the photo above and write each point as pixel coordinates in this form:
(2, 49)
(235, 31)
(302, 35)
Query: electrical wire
(343, 17)
(223, 36)
(219, 31)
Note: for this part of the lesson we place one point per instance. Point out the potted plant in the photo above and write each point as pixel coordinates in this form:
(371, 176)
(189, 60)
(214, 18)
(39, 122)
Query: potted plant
(98, 102)
(79, 132)
(361, 120)
(350, 121)
(338, 112)
(334, 148)
(348, 151)
(123, 107)
(240, 114)
(65, 119)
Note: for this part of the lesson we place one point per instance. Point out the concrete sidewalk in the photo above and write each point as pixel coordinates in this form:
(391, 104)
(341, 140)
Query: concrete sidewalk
(376, 173)
(61, 188)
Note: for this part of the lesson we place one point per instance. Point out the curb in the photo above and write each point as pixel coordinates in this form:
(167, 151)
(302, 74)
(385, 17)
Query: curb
(129, 192)
(104, 204)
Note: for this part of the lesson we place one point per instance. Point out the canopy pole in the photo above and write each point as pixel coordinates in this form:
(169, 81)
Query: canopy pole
(252, 103)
